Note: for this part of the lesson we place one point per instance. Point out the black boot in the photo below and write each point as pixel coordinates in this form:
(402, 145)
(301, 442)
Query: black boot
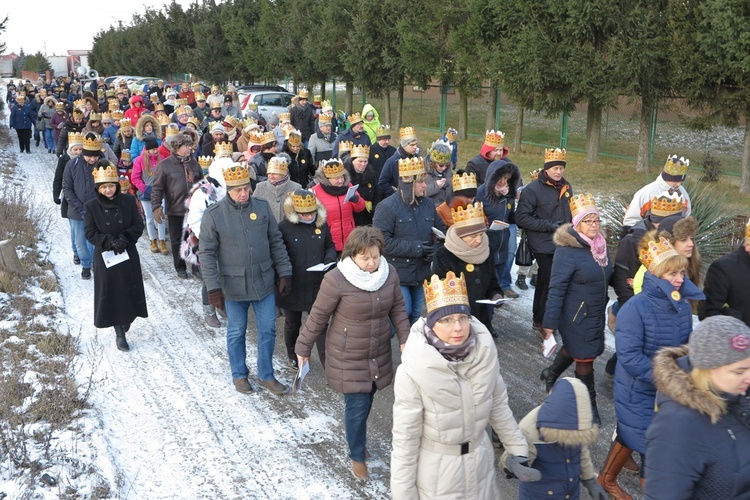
(122, 343)
(550, 374)
(532, 282)
(521, 282)
(588, 381)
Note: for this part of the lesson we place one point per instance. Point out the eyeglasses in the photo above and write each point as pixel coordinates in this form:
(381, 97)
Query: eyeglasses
(594, 222)
(462, 320)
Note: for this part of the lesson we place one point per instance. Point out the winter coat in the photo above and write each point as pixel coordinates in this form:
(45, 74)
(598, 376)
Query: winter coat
(122, 142)
(559, 433)
(206, 192)
(378, 157)
(69, 126)
(651, 320)
(641, 202)
(439, 194)
(481, 280)
(78, 186)
(439, 406)
(726, 287)
(301, 168)
(358, 338)
(388, 180)
(303, 119)
(499, 207)
(540, 208)
(478, 166)
(695, 448)
(57, 185)
(307, 245)
(340, 214)
(171, 183)
(137, 143)
(46, 112)
(371, 127)
(406, 229)
(361, 139)
(577, 295)
(56, 123)
(275, 195)
(143, 179)
(627, 262)
(22, 117)
(109, 135)
(321, 146)
(241, 249)
(135, 112)
(367, 190)
(119, 296)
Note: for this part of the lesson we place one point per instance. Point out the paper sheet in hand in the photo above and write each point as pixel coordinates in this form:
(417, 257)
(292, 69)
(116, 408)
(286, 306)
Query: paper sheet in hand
(437, 232)
(112, 259)
(493, 302)
(301, 374)
(321, 267)
(549, 346)
(351, 192)
(498, 225)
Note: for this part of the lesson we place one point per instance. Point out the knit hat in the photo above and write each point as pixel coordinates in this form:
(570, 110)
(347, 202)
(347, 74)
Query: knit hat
(218, 127)
(719, 341)
(273, 119)
(675, 169)
(445, 297)
(407, 135)
(150, 143)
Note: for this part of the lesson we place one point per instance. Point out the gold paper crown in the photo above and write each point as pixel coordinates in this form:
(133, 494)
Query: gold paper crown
(163, 120)
(303, 94)
(125, 123)
(451, 134)
(285, 117)
(99, 92)
(237, 175)
(665, 204)
(124, 183)
(268, 138)
(184, 110)
(383, 131)
(256, 137)
(59, 106)
(194, 121)
(676, 166)
(252, 106)
(180, 102)
(295, 138)
(247, 122)
(317, 99)
(277, 165)
(345, 146)
(78, 111)
(200, 96)
(75, 138)
(535, 174)
(95, 117)
(158, 107)
(747, 233)
(494, 139)
(438, 157)
(326, 104)
(333, 168)
(407, 133)
(78, 103)
(154, 97)
(105, 174)
(472, 215)
(581, 203)
(360, 151)
(451, 291)
(109, 93)
(125, 154)
(555, 154)
(465, 181)
(656, 253)
(354, 118)
(304, 204)
(171, 130)
(324, 120)
(92, 143)
(223, 148)
(409, 167)
(106, 117)
(205, 161)
(232, 121)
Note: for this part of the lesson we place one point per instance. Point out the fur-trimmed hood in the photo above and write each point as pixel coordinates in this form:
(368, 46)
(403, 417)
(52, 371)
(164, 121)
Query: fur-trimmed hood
(672, 379)
(142, 121)
(566, 236)
(293, 217)
(565, 417)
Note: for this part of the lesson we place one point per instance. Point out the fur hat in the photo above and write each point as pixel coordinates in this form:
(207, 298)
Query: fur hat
(719, 341)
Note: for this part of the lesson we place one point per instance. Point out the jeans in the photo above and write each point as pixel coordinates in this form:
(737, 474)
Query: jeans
(153, 228)
(84, 249)
(49, 138)
(357, 409)
(175, 239)
(414, 300)
(505, 279)
(265, 322)
(73, 239)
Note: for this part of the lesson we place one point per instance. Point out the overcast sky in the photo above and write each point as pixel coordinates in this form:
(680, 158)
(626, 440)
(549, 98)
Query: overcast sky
(56, 26)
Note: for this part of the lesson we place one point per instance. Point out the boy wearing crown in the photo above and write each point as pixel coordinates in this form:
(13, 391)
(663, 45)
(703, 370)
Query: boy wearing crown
(671, 178)
(381, 149)
(408, 148)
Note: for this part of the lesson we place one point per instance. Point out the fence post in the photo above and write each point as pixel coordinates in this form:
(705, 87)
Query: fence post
(652, 132)
(333, 96)
(364, 98)
(443, 106)
(564, 130)
(497, 109)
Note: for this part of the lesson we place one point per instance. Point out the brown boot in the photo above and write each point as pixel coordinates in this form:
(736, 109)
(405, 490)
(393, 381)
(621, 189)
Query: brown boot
(154, 246)
(618, 455)
(359, 469)
(163, 247)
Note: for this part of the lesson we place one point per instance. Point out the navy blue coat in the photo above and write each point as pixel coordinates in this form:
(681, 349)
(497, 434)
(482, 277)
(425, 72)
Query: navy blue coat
(78, 186)
(362, 139)
(539, 207)
(500, 208)
(22, 117)
(577, 295)
(651, 320)
(389, 175)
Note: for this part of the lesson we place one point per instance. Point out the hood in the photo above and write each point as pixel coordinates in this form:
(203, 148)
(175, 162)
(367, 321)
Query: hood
(216, 170)
(495, 171)
(135, 99)
(292, 216)
(367, 109)
(654, 286)
(50, 101)
(565, 416)
(672, 379)
(566, 236)
(142, 121)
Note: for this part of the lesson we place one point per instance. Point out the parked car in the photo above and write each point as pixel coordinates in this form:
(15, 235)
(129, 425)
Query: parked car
(142, 83)
(269, 99)
(128, 80)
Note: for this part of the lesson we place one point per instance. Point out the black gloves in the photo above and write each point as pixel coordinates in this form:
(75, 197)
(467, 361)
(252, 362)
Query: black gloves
(518, 467)
(556, 224)
(118, 245)
(354, 198)
(428, 251)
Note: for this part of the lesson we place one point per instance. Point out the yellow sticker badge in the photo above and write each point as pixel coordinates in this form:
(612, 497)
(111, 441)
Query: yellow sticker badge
(253, 216)
(318, 231)
(676, 295)
(303, 161)
(377, 155)
(470, 267)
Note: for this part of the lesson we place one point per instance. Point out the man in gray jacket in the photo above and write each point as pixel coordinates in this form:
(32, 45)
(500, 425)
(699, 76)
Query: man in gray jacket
(240, 247)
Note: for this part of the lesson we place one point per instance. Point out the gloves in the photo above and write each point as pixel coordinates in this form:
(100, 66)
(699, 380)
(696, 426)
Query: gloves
(428, 251)
(354, 198)
(518, 467)
(285, 285)
(159, 215)
(556, 224)
(216, 299)
(118, 245)
(595, 489)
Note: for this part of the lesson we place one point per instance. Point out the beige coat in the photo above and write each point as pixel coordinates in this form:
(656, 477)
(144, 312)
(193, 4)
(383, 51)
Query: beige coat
(439, 405)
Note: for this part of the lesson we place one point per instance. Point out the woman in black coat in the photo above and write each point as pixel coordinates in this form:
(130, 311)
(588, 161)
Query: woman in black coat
(363, 175)
(467, 250)
(581, 270)
(75, 146)
(308, 242)
(113, 224)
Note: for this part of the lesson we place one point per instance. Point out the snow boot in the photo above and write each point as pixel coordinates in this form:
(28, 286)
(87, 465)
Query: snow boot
(154, 246)
(618, 455)
(588, 381)
(521, 282)
(209, 314)
(163, 247)
(120, 341)
(532, 282)
(550, 374)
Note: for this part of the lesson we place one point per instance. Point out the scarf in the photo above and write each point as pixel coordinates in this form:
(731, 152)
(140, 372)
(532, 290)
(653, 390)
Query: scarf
(185, 161)
(555, 184)
(369, 282)
(311, 221)
(598, 247)
(280, 181)
(448, 351)
(458, 247)
(335, 190)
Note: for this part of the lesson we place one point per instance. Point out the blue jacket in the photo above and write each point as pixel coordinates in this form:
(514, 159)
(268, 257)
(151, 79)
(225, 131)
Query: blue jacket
(500, 208)
(389, 175)
(22, 117)
(110, 136)
(454, 150)
(651, 320)
(78, 186)
(362, 139)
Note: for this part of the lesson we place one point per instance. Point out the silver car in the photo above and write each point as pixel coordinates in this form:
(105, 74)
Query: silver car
(269, 99)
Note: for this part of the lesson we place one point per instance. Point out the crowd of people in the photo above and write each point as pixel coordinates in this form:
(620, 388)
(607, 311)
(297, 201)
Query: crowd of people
(301, 214)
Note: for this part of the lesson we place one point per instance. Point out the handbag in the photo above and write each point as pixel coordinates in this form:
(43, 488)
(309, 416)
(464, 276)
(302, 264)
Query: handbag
(523, 253)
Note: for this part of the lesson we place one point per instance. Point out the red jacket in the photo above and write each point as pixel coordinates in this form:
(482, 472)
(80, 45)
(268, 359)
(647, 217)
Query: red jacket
(340, 214)
(135, 112)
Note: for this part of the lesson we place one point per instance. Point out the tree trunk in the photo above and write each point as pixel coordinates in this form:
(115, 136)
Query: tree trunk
(641, 164)
(387, 106)
(489, 120)
(745, 182)
(399, 106)
(518, 135)
(463, 116)
(323, 90)
(349, 102)
(593, 132)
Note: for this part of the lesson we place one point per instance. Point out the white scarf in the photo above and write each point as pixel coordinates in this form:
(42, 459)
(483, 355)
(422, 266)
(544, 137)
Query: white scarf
(363, 280)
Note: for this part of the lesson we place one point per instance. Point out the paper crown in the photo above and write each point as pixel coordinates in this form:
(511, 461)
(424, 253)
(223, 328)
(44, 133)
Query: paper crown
(180, 102)
(582, 203)
(109, 93)
(407, 134)
(255, 137)
(676, 167)
(555, 154)
(95, 117)
(303, 94)
(277, 165)
(125, 155)
(124, 183)
(163, 119)
(75, 139)
(494, 139)
(268, 138)
(115, 114)
(78, 103)
(360, 151)
(656, 253)
(409, 167)
(236, 175)
(154, 97)
(171, 130)
(205, 161)
(326, 104)
(472, 215)
(106, 117)
(333, 168)
(247, 122)
(77, 111)
(354, 118)
(451, 291)
(324, 120)
(194, 121)
(437, 156)
(200, 97)
(345, 146)
(465, 181)
(304, 201)
(285, 117)
(252, 106)
(59, 106)
(535, 174)
(158, 107)
(231, 122)
(184, 110)
(383, 132)
(223, 148)
(125, 124)
(295, 138)
(216, 105)
(92, 142)
(747, 233)
(105, 174)
(451, 134)
(666, 204)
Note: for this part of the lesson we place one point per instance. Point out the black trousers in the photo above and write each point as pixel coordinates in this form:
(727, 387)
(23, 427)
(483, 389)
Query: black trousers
(24, 139)
(292, 325)
(544, 261)
(175, 238)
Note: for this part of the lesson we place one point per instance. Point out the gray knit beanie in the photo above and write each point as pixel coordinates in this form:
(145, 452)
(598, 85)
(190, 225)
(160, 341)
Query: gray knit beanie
(719, 341)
